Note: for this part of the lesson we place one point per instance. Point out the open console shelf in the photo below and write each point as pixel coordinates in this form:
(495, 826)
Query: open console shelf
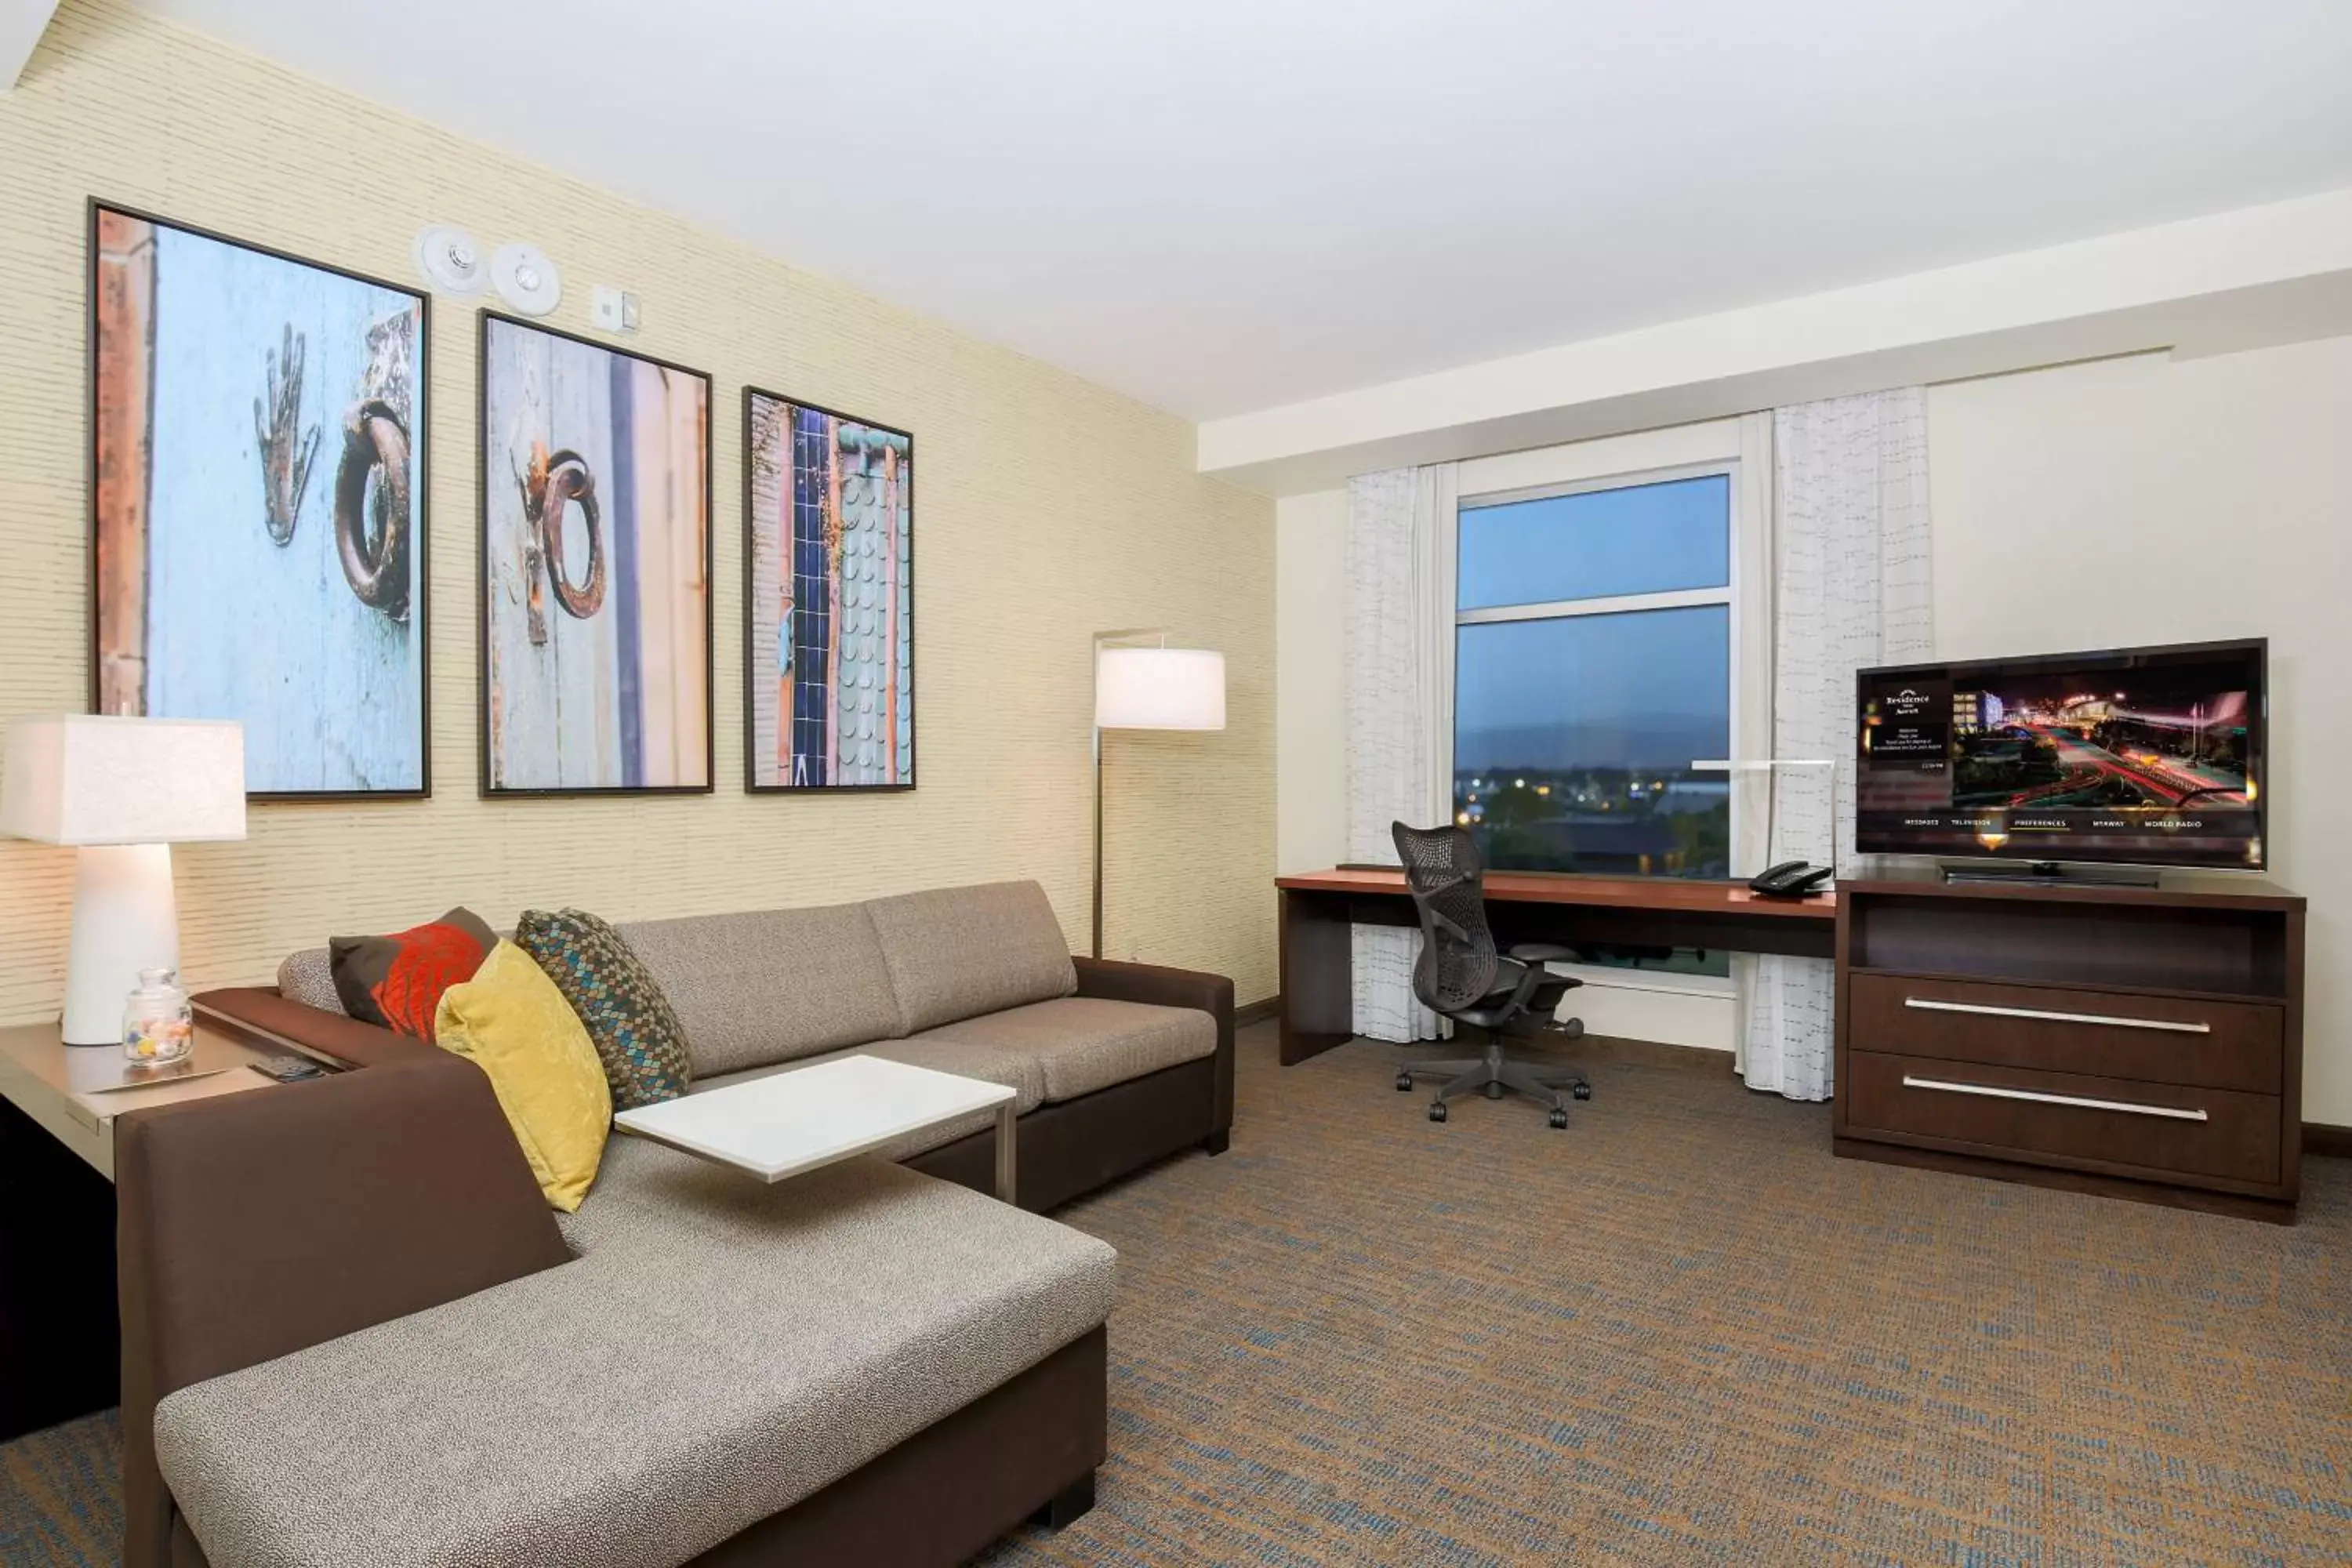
(2141, 1042)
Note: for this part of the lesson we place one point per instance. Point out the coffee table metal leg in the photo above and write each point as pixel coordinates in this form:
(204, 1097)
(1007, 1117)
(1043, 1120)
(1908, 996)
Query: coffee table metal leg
(1007, 1140)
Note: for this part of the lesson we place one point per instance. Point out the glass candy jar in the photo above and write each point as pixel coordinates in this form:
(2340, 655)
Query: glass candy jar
(158, 1024)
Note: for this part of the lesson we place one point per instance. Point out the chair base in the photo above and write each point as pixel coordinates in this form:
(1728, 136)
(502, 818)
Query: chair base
(1494, 1075)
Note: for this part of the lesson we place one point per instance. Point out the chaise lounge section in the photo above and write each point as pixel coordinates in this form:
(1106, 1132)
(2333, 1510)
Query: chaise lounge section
(354, 1331)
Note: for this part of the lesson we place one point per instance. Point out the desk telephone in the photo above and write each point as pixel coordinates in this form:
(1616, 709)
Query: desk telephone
(1790, 879)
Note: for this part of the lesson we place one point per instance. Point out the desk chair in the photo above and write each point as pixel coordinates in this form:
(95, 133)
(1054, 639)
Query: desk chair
(1459, 976)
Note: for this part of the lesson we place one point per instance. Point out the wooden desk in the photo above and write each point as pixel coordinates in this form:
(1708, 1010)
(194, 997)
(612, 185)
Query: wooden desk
(1319, 907)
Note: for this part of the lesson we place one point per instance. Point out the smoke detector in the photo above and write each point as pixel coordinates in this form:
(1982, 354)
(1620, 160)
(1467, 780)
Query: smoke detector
(527, 281)
(448, 258)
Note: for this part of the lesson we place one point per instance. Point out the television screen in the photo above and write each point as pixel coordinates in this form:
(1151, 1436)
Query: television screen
(2145, 755)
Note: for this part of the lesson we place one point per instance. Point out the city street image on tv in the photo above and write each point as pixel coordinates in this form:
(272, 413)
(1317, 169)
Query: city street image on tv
(2156, 738)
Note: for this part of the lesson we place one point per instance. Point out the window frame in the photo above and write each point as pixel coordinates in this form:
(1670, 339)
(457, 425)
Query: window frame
(1742, 549)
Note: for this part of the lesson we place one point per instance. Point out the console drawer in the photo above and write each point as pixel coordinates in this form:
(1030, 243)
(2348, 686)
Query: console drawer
(2158, 1130)
(2154, 1039)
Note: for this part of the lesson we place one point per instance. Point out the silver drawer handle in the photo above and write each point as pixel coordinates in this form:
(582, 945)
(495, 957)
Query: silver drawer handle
(2167, 1025)
(2171, 1112)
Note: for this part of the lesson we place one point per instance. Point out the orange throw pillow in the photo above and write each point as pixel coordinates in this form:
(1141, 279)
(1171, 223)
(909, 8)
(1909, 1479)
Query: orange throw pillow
(396, 981)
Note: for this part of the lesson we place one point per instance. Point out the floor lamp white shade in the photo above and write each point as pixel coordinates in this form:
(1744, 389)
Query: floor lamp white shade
(1159, 688)
(122, 790)
(1148, 687)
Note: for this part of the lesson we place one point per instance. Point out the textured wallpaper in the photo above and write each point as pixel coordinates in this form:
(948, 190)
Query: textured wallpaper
(1048, 508)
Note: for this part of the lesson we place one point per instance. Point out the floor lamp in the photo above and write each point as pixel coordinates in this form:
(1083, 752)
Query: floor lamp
(1141, 683)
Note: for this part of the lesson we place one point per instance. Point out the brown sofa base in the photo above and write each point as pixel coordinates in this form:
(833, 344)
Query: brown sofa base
(1028, 1450)
(1068, 1149)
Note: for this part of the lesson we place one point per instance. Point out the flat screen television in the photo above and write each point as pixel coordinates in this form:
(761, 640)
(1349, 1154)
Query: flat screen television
(2149, 756)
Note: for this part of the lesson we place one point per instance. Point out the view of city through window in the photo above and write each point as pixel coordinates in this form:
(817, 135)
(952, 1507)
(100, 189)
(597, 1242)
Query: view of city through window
(1592, 666)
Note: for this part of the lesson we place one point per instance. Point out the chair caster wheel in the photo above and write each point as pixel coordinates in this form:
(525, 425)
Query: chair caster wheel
(1437, 1111)
(1582, 1092)
(1404, 1083)
(1559, 1119)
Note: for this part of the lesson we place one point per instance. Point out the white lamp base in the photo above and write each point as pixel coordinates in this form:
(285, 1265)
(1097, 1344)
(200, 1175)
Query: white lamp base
(124, 920)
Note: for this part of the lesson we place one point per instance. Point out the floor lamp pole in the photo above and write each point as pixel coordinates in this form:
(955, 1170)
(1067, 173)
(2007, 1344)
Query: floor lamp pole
(1099, 857)
(1129, 638)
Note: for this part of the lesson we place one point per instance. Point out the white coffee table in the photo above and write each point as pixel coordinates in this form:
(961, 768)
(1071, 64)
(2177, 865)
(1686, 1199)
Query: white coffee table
(791, 1122)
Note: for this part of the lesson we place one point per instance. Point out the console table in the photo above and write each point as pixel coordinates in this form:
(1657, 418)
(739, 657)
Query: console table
(2140, 1042)
(59, 1353)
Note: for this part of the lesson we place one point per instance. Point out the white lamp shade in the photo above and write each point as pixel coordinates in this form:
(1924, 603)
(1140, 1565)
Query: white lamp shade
(86, 778)
(1159, 688)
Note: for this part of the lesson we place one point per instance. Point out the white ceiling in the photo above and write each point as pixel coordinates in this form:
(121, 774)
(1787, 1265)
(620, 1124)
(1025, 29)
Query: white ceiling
(1221, 206)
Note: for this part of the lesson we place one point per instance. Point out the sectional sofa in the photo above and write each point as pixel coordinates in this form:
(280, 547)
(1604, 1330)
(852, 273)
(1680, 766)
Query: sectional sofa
(353, 1331)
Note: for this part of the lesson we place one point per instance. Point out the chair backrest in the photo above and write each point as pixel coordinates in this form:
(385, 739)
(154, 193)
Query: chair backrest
(1446, 876)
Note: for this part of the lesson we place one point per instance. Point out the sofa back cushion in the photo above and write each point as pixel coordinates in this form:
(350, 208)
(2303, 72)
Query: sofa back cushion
(771, 986)
(957, 952)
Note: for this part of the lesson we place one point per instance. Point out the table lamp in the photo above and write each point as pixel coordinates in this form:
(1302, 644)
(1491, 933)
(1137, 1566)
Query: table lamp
(123, 791)
(1141, 683)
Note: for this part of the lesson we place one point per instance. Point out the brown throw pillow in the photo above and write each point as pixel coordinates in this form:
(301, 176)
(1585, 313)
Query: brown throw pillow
(396, 981)
(636, 1036)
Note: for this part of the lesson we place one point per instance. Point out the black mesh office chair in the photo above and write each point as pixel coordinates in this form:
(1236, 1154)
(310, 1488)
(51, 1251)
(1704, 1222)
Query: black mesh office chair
(1459, 976)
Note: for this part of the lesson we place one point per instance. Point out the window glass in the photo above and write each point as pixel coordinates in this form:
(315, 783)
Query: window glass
(1574, 737)
(1641, 539)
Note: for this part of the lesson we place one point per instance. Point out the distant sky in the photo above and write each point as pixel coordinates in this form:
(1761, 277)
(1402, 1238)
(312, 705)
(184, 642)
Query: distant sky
(1645, 689)
(1644, 539)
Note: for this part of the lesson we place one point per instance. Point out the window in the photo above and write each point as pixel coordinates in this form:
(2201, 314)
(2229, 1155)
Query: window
(1592, 666)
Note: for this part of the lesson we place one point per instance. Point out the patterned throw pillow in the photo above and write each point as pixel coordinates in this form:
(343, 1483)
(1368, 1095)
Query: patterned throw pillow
(636, 1036)
(396, 981)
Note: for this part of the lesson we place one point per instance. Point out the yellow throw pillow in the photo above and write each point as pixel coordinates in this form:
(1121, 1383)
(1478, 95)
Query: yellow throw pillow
(510, 1021)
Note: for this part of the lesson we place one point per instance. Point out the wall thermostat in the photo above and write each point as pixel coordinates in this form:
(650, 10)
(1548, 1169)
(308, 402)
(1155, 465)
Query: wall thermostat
(613, 309)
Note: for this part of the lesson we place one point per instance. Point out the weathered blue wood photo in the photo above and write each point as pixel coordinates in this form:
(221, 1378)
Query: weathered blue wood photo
(258, 504)
(595, 567)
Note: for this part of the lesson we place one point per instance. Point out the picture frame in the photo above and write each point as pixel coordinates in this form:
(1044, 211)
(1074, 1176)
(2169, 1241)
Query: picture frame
(829, 692)
(596, 661)
(219, 370)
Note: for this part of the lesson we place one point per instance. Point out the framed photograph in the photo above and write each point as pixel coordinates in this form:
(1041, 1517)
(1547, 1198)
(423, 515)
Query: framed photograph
(258, 504)
(595, 586)
(828, 599)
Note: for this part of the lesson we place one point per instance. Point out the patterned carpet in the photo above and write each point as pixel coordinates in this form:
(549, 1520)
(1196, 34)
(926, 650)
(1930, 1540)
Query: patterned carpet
(1678, 1333)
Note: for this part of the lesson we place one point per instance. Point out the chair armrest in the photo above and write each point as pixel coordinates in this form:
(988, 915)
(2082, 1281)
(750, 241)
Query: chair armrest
(253, 1225)
(1116, 981)
(1544, 952)
(269, 1017)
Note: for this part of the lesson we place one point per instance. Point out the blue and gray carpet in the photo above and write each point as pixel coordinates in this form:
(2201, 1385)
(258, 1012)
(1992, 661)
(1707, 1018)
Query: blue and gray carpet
(1677, 1333)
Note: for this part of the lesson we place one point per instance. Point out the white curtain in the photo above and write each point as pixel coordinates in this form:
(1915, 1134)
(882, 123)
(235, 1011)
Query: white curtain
(1399, 676)
(1853, 587)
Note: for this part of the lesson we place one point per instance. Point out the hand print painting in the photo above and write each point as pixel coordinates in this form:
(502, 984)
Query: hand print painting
(258, 504)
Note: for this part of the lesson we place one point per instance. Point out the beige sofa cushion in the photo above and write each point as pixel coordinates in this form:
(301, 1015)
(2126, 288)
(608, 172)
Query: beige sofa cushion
(955, 953)
(1078, 1043)
(719, 1350)
(769, 985)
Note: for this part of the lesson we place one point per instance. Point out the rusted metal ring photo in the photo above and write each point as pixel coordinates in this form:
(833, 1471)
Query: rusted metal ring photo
(569, 479)
(375, 467)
